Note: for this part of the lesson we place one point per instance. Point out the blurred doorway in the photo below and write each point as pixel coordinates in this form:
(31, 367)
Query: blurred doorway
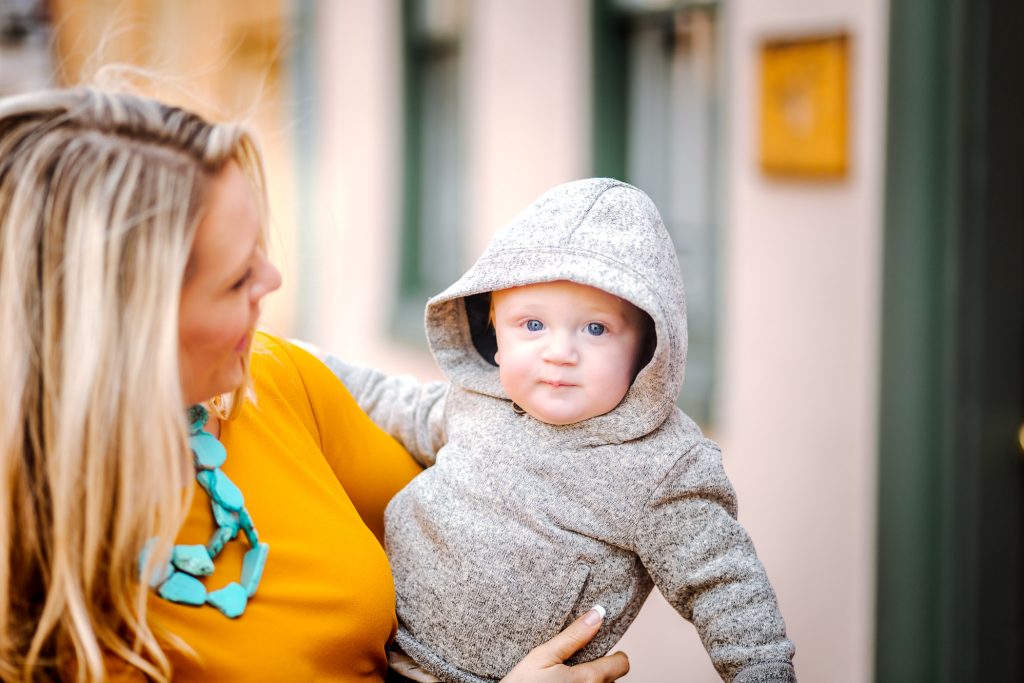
(951, 477)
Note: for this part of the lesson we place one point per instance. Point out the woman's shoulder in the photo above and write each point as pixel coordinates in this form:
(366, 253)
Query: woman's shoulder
(284, 386)
(266, 344)
(283, 369)
(281, 360)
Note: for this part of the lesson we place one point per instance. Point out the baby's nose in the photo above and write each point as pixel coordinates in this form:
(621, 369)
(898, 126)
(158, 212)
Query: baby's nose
(560, 349)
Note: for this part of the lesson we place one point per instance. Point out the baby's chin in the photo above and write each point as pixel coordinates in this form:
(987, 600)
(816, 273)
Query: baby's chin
(558, 418)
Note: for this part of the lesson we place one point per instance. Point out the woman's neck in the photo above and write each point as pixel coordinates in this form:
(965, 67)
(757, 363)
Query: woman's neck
(213, 425)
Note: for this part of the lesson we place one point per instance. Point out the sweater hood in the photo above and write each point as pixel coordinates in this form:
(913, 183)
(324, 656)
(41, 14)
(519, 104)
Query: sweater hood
(598, 232)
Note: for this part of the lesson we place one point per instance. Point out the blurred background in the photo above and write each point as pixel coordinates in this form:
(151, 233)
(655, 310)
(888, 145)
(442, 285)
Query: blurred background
(844, 183)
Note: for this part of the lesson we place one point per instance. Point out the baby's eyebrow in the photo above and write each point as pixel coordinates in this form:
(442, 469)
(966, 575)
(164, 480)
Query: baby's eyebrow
(605, 313)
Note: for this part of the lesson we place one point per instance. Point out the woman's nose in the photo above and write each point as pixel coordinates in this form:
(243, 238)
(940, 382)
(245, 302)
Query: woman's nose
(267, 281)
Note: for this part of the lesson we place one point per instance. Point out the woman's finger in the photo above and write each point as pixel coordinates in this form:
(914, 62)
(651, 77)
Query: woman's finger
(572, 638)
(604, 670)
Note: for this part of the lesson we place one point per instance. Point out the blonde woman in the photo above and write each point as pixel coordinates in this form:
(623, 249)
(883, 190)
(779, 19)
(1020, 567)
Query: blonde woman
(175, 502)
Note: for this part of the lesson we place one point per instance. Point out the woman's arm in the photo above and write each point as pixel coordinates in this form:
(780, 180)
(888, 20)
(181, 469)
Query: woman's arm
(370, 465)
(407, 409)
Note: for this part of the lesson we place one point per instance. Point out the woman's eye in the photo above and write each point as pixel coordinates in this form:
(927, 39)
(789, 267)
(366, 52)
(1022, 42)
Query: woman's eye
(245, 278)
(534, 325)
(596, 329)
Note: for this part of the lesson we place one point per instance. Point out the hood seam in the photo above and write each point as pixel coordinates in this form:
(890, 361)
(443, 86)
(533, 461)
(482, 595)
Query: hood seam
(583, 216)
(559, 250)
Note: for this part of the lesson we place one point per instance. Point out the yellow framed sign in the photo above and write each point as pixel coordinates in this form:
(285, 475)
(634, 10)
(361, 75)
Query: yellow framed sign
(804, 106)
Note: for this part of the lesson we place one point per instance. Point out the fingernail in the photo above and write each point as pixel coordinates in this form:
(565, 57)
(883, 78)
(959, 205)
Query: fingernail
(594, 616)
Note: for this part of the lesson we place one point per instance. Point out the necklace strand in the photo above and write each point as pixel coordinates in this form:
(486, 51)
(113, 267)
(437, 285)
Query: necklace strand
(179, 579)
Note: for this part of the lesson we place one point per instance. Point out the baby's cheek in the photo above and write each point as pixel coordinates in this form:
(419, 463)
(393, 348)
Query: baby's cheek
(511, 378)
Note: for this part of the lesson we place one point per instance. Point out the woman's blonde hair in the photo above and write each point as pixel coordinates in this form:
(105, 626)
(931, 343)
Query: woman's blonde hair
(100, 196)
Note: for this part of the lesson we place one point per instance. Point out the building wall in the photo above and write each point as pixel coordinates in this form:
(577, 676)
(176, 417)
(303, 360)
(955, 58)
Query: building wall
(528, 113)
(799, 357)
(351, 273)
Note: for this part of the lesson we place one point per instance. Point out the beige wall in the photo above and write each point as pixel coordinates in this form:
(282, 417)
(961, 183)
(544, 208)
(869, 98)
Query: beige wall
(529, 113)
(356, 201)
(799, 349)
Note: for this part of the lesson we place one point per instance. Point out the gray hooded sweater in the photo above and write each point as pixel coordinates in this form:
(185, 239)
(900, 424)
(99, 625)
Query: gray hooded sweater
(517, 527)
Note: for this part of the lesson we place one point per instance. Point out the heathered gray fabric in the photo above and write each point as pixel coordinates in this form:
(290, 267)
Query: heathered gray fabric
(520, 526)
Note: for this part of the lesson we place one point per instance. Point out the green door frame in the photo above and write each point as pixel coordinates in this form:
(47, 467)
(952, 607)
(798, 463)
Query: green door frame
(950, 599)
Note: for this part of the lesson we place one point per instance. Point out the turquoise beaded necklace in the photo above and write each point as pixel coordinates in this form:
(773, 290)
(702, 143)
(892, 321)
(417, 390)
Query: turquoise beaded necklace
(178, 581)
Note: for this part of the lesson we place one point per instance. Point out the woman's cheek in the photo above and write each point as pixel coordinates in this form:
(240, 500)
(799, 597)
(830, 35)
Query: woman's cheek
(221, 330)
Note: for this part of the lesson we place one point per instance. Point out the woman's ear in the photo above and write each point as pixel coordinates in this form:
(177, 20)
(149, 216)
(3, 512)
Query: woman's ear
(497, 357)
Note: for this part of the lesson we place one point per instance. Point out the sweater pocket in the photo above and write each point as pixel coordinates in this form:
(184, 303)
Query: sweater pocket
(568, 607)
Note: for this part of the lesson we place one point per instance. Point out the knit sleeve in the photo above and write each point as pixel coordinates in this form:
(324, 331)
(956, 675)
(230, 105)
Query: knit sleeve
(409, 410)
(705, 565)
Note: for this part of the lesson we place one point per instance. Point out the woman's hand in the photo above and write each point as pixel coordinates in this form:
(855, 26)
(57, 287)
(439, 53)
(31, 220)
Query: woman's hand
(545, 663)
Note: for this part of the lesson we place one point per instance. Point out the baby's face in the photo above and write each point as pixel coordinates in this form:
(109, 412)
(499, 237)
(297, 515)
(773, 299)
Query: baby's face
(566, 352)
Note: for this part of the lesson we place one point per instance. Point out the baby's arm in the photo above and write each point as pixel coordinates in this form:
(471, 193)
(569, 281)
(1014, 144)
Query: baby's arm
(409, 410)
(704, 563)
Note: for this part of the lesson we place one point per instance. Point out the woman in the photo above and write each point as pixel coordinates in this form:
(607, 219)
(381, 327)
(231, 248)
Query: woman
(132, 267)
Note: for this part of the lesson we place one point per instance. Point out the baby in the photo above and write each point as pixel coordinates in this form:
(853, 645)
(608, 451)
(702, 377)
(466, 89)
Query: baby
(561, 474)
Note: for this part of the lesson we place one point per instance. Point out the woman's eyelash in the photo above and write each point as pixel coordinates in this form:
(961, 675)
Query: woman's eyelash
(242, 280)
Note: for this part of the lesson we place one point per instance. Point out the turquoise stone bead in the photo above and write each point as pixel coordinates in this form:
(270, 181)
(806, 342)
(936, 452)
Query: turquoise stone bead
(176, 580)
(230, 600)
(183, 589)
(252, 567)
(208, 451)
(159, 574)
(193, 559)
(248, 528)
(226, 493)
(206, 480)
(225, 518)
(220, 537)
(197, 418)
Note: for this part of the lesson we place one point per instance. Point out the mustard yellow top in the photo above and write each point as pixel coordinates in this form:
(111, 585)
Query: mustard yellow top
(316, 474)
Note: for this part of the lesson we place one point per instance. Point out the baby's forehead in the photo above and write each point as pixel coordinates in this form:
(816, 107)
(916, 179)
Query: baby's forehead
(564, 292)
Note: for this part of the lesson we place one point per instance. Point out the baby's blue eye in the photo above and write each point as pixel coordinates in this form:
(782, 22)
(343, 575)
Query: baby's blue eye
(596, 329)
(534, 325)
